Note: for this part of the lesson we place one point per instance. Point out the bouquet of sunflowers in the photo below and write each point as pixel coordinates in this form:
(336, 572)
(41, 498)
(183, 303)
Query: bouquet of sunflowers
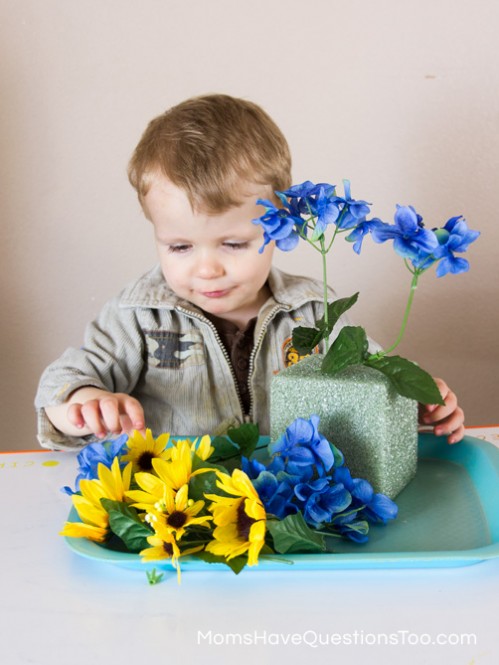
(223, 500)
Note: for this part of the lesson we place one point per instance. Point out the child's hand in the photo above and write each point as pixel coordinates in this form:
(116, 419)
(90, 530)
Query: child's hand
(104, 412)
(446, 420)
(95, 411)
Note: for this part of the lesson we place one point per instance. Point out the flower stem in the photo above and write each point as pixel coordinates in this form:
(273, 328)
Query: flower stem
(336, 228)
(414, 286)
(324, 282)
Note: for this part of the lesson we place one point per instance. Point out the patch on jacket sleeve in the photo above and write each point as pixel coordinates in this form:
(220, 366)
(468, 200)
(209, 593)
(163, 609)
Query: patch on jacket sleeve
(172, 350)
(290, 355)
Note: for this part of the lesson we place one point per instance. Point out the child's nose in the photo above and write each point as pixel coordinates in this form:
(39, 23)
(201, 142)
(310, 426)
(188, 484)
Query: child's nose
(209, 266)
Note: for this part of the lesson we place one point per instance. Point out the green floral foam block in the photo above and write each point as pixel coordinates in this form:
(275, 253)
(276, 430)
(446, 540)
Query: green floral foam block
(360, 412)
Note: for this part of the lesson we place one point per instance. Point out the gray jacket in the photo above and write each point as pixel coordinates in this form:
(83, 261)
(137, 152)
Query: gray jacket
(160, 349)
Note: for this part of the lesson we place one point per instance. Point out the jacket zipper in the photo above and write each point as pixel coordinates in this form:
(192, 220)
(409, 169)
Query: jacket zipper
(251, 366)
(199, 317)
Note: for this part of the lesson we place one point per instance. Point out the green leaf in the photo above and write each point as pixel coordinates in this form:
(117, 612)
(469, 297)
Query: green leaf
(121, 507)
(336, 309)
(153, 577)
(316, 234)
(339, 458)
(204, 483)
(236, 564)
(349, 348)
(224, 449)
(306, 339)
(198, 463)
(246, 436)
(407, 378)
(133, 533)
(292, 534)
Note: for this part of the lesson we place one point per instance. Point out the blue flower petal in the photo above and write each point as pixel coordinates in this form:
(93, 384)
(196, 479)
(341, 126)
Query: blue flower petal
(406, 219)
(362, 490)
(289, 243)
(381, 508)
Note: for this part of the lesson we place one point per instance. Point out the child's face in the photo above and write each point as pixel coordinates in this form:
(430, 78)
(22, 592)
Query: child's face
(211, 260)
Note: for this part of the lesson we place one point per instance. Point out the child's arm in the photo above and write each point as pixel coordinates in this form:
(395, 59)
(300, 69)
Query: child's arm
(446, 420)
(94, 411)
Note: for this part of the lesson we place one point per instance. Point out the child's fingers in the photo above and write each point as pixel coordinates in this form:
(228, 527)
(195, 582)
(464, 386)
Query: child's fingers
(135, 413)
(457, 435)
(452, 424)
(446, 420)
(93, 418)
(110, 411)
(113, 413)
(75, 416)
(440, 412)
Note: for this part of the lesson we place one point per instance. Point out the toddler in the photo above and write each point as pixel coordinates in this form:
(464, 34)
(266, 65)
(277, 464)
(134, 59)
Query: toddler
(191, 346)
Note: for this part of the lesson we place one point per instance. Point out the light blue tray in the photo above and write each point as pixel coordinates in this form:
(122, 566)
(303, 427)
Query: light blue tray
(448, 516)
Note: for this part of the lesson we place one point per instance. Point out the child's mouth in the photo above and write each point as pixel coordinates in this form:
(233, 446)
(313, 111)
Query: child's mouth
(216, 294)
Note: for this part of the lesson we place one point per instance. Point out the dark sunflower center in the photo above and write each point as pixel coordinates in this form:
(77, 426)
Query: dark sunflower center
(244, 521)
(168, 547)
(145, 461)
(176, 519)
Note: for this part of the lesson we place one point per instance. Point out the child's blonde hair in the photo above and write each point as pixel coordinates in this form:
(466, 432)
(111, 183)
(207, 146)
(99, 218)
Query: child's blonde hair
(210, 146)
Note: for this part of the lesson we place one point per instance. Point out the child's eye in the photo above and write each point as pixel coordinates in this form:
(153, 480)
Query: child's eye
(236, 245)
(178, 249)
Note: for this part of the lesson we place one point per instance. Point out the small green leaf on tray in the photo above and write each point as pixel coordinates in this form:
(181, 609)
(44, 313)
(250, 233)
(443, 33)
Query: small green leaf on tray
(153, 577)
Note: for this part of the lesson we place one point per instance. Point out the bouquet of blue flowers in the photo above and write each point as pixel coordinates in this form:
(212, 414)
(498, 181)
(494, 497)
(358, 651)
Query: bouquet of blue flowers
(165, 499)
(310, 212)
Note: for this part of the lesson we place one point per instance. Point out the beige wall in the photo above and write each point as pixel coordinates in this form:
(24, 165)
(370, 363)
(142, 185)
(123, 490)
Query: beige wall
(402, 97)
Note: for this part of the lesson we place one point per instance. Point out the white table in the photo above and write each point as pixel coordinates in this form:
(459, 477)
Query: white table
(57, 607)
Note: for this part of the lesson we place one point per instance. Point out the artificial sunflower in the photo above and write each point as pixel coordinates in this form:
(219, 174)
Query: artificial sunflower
(202, 447)
(177, 512)
(177, 471)
(240, 518)
(111, 484)
(152, 492)
(143, 450)
(164, 546)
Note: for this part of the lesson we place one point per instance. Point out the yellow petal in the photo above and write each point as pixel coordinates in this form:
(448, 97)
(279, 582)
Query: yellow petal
(202, 521)
(150, 483)
(169, 499)
(227, 532)
(142, 497)
(92, 490)
(154, 553)
(161, 443)
(181, 498)
(224, 515)
(196, 508)
(204, 449)
(127, 476)
(79, 530)
(89, 513)
(227, 550)
(254, 509)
